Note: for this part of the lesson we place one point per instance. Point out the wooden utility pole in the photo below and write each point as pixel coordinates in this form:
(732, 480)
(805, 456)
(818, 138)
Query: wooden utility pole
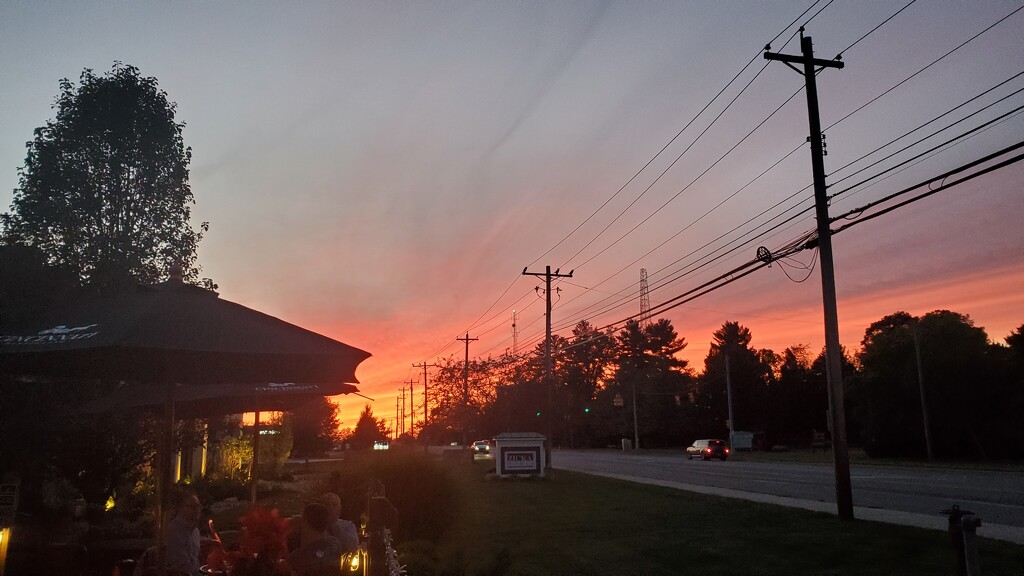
(914, 328)
(412, 409)
(833, 351)
(465, 389)
(549, 379)
(728, 396)
(424, 365)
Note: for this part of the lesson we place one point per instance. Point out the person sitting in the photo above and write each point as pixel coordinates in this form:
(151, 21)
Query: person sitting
(183, 536)
(319, 553)
(344, 530)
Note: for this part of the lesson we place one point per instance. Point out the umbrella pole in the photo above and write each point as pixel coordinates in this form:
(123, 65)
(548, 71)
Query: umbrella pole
(164, 480)
(254, 475)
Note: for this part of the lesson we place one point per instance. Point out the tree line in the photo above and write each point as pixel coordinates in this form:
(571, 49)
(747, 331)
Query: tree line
(973, 390)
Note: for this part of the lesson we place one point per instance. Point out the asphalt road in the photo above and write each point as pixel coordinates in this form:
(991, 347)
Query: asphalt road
(904, 495)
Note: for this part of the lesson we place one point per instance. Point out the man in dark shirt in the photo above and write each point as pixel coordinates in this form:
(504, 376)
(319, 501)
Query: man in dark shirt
(319, 553)
(183, 536)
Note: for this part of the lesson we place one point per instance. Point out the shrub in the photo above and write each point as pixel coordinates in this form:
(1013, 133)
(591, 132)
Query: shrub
(419, 487)
(214, 488)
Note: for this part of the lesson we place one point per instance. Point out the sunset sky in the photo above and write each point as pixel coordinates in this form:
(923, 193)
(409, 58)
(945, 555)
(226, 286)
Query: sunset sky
(381, 172)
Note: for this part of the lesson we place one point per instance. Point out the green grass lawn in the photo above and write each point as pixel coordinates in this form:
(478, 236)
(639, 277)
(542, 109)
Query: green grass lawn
(575, 524)
(578, 524)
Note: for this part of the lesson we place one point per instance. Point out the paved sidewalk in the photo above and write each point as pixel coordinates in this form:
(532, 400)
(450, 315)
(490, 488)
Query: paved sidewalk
(935, 522)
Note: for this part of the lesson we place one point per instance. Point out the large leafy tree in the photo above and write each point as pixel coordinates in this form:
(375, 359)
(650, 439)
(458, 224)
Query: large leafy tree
(461, 394)
(104, 190)
(958, 390)
(314, 427)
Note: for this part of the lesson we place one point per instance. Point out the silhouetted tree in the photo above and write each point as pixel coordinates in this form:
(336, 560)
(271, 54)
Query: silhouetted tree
(1007, 396)
(314, 427)
(104, 190)
(818, 407)
(795, 402)
(1016, 341)
(458, 404)
(958, 385)
(584, 363)
(368, 430)
(751, 374)
(645, 360)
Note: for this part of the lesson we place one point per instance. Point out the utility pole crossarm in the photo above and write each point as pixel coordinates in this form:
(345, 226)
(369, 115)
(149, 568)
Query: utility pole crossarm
(790, 59)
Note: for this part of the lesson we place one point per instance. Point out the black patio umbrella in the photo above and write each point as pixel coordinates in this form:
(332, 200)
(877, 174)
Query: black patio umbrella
(174, 333)
(179, 333)
(201, 401)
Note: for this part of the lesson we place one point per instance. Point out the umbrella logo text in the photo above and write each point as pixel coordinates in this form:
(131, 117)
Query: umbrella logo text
(54, 335)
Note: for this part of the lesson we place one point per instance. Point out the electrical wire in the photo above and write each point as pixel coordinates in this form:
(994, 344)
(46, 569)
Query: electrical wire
(878, 97)
(948, 126)
(870, 32)
(674, 138)
(931, 191)
(628, 182)
(915, 74)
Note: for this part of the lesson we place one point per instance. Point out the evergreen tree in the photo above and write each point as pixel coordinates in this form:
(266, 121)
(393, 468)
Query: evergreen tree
(647, 368)
(750, 371)
(368, 430)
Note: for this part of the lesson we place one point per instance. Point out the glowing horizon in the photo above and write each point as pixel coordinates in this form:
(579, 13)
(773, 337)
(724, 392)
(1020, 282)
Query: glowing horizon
(381, 173)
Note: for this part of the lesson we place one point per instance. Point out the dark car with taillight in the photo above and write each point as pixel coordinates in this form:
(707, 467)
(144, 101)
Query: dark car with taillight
(707, 449)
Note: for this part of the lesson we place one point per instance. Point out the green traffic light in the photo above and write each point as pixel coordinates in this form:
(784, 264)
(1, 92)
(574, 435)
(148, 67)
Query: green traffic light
(538, 413)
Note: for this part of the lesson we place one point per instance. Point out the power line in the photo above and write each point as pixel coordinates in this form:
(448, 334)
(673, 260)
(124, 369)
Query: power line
(915, 74)
(931, 191)
(645, 166)
(853, 112)
(673, 139)
(809, 241)
(872, 31)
